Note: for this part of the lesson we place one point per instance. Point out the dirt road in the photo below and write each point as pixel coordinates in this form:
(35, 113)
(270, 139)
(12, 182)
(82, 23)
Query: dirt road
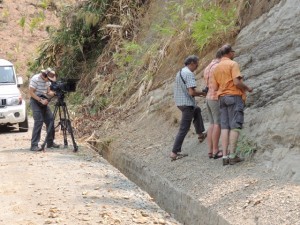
(62, 187)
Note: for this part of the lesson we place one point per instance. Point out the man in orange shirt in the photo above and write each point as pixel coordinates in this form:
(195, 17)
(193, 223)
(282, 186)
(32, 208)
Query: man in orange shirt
(228, 82)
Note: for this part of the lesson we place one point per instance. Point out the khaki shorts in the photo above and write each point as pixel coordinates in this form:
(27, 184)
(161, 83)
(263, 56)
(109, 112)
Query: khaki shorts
(213, 108)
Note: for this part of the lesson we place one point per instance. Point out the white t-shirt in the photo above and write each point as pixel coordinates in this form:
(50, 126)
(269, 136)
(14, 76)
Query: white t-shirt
(39, 85)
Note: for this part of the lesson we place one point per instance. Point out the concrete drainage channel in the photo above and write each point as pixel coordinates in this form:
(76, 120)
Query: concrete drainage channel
(185, 208)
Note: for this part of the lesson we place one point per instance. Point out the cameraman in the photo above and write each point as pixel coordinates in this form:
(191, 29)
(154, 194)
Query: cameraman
(39, 90)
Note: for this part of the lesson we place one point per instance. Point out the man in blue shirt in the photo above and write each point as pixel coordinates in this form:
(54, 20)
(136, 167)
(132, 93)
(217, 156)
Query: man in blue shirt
(184, 95)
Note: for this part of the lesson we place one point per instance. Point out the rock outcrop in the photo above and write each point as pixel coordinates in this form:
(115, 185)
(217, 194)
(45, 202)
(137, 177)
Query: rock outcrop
(269, 55)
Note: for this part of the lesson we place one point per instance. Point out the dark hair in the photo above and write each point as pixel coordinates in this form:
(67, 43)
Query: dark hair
(226, 49)
(219, 53)
(44, 73)
(191, 59)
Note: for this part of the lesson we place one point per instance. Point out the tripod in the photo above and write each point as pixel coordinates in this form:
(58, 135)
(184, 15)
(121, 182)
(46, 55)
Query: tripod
(64, 122)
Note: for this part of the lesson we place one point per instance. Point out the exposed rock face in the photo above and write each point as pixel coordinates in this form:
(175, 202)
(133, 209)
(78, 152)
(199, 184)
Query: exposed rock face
(253, 9)
(268, 51)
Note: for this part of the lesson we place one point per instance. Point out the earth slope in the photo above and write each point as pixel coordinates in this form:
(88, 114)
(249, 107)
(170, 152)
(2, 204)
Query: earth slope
(264, 189)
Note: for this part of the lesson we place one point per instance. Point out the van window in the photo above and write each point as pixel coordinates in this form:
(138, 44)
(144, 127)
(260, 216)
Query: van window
(7, 75)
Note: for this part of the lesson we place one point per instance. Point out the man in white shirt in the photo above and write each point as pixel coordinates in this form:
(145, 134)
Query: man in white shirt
(184, 96)
(39, 90)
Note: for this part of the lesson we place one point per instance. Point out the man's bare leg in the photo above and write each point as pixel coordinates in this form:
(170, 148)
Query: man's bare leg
(215, 138)
(225, 141)
(233, 138)
(210, 139)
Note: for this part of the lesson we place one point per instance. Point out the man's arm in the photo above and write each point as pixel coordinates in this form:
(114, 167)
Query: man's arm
(50, 93)
(238, 81)
(191, 86)
(193, 92)
(34, 96)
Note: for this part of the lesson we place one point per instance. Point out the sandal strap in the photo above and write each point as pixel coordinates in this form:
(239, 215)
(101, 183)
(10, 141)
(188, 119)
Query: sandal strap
(216, 156)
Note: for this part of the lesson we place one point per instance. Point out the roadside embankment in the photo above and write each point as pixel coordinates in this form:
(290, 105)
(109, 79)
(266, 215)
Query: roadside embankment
(197, 190)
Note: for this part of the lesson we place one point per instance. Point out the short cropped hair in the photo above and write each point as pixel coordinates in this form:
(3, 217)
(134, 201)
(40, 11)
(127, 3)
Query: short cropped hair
(219, 53)
(226, 49)
(191, 59)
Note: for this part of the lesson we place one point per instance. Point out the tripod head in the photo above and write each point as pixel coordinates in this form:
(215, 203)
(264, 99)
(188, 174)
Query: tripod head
(60, 96)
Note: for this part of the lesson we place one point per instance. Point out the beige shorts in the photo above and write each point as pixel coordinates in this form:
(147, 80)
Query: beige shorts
(213, 111)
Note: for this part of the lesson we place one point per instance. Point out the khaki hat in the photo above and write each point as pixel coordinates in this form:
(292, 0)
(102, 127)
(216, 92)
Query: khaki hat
(51, 74)
(44, 71)
(49, 70)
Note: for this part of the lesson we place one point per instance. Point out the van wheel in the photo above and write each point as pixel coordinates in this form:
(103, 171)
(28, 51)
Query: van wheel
(23, 127)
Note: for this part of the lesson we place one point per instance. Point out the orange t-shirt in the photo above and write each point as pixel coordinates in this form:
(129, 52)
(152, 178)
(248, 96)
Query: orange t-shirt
(223, 76)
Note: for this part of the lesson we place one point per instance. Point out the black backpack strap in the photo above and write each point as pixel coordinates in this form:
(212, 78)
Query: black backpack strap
(181, 77)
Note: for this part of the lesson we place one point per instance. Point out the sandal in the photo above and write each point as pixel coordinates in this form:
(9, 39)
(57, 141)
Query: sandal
(217, 155)
(178, 156)
(202, 137)
(210, 155)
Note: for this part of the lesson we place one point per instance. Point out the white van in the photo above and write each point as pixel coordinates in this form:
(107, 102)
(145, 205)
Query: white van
(12, 105)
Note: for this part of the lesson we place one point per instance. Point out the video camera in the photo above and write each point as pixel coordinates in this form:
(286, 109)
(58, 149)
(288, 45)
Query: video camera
(63, 86)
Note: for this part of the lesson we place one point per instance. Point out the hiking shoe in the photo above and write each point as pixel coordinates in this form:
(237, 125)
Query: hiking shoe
(235, 160)
(225, 161)
(36, 148)
(53, 145)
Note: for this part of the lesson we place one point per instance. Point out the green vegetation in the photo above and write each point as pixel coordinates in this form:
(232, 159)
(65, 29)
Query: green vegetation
(96, 40)
(127, 54)
(127, 59)
(44, 3)
(209, 21)
(5, 14)
(212, 23)
(75, 99)
(245, 147)
(164, 30)
(99, 104)
(77, 41)
(172, 22)
(22, 22)
(36, 22)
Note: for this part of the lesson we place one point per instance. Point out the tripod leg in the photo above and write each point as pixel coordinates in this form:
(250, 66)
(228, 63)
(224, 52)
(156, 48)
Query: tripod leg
(69, 127)
(64, 125)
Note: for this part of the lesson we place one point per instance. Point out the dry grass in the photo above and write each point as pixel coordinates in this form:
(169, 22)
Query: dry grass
(128, 20)
(159, 61)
